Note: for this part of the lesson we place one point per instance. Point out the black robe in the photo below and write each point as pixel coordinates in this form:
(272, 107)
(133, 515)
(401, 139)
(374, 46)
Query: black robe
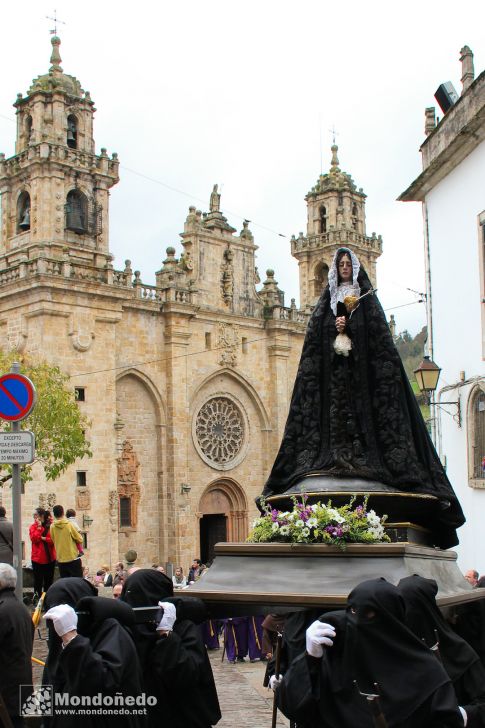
(357, 416)
(415, 690)
(459, 659)
(16, 638)
(101, 659)
(176, 668)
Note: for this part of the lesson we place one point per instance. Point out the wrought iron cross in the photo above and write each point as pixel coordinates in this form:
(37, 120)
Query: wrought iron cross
(56, 20)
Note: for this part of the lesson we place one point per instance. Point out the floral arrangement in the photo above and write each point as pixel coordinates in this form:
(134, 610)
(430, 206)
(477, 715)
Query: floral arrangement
(319, 523)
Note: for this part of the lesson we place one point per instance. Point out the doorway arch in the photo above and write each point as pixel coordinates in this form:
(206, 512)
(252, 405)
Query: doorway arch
(223, 516)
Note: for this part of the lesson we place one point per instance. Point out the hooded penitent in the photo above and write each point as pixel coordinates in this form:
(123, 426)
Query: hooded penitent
(424, 619)
(357, 416)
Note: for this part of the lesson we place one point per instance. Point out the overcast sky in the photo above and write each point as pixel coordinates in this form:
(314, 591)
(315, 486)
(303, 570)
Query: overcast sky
(241, 93)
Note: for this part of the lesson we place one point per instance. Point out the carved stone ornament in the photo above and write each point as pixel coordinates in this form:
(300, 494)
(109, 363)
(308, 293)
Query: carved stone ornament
(81, 340)
(113, 509)
(128, 479)
(227, 277)
(83, 499)
(219, 430)
(228, 344)
(51, 500)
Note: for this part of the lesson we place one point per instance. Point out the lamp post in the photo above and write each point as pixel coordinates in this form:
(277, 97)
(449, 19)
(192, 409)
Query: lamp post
(427, 375)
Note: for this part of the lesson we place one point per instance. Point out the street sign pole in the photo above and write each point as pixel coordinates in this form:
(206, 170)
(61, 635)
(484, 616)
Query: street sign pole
(17, 521)
(17, 399)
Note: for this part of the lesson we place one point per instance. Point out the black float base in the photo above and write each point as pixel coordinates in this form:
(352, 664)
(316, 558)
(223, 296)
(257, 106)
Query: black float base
(248, 578)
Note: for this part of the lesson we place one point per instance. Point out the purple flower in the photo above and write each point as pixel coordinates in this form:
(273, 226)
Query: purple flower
(360, 510)
(274, 515)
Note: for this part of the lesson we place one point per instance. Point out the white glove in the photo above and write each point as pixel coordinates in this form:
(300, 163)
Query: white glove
(63, 617)
(318, 634)
(463, 715)
(274, 681)
(169, 616)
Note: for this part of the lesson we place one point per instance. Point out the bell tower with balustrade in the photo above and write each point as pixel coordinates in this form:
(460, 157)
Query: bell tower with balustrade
(336, 218)
(55, 189)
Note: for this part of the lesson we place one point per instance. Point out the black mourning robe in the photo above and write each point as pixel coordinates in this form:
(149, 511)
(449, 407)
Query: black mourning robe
(357, 416)
(415, 690)
(175, 668)
(461, 662)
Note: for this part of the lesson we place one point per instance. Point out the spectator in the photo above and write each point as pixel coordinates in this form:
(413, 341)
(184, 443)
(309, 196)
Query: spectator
(65, 538)
(194, 571)
(117, 589)
(472, 577)
(6, 538)
(108, 577)
(120, 573)
(158, 567)
(178, 579)
(16, 638)
(71, 517)
(43, 552)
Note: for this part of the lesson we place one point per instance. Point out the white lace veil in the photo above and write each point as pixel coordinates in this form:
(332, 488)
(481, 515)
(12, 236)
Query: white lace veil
(333, 277)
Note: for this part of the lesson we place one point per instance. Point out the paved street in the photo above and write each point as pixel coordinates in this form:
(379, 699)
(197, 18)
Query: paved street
(244, 701)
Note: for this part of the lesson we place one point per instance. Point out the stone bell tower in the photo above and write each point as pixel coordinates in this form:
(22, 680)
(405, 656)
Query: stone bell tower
(54, 191)
(336, 217)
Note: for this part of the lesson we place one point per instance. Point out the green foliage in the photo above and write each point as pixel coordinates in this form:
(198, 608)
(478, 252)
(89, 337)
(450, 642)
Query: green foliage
(411, 350)
(319, 523)
(56, 421)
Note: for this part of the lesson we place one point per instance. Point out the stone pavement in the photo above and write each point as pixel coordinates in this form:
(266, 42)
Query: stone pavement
(244, 702)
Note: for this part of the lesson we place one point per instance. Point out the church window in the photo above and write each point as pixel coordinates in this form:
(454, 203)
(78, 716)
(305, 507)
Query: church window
(80, 394)
(208, 340)
(477, 434)
(219, 430)
(323, 219)
(340, 199)
(125, 512)
(81, 480)
(23, 212)
(72, 131)
(320, 279)
(244, 345)
(77, 212)
(28, 128)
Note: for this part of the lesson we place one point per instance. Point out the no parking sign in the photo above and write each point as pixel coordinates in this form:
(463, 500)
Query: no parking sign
(17, 397)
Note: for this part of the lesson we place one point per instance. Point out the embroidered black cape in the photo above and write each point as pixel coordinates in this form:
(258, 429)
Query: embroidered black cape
(357, 416)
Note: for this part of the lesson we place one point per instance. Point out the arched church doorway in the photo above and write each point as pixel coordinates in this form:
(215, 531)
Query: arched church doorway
(223, 516)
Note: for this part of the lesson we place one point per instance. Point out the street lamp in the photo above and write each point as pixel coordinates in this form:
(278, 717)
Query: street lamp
(427, 375)
(87, 520)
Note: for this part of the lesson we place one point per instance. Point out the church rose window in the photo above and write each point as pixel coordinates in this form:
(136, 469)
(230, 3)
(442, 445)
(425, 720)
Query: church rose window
(219, 430)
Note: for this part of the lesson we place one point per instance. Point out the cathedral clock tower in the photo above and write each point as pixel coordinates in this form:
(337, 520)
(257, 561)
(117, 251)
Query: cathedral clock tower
(54, 191)
(336, 218)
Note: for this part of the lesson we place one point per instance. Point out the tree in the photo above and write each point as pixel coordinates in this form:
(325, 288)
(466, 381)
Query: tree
(56, 421)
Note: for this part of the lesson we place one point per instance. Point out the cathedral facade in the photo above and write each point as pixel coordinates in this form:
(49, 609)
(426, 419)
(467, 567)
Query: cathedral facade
(187, 382)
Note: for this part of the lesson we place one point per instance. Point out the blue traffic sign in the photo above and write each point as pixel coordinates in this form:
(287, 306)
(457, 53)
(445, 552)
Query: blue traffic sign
(17, 397)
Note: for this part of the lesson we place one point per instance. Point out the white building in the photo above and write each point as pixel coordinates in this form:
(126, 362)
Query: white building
(452, 191)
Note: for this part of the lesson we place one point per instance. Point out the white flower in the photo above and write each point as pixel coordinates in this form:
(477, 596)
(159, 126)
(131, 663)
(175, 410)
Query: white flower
(292, 516)
(256, 522)
(305, 532)
(373, 519)
(312, 523)
(335, 515)
(285, 530)
(274, 527)
(376, 532)
(286, 514)
(314, 508)
(300, 523)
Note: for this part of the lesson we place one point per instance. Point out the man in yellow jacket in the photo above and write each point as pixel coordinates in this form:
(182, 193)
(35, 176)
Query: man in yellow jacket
(66, 537)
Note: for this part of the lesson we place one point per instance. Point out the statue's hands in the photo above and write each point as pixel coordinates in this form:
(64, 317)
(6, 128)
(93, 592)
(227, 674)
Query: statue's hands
(340, 324)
